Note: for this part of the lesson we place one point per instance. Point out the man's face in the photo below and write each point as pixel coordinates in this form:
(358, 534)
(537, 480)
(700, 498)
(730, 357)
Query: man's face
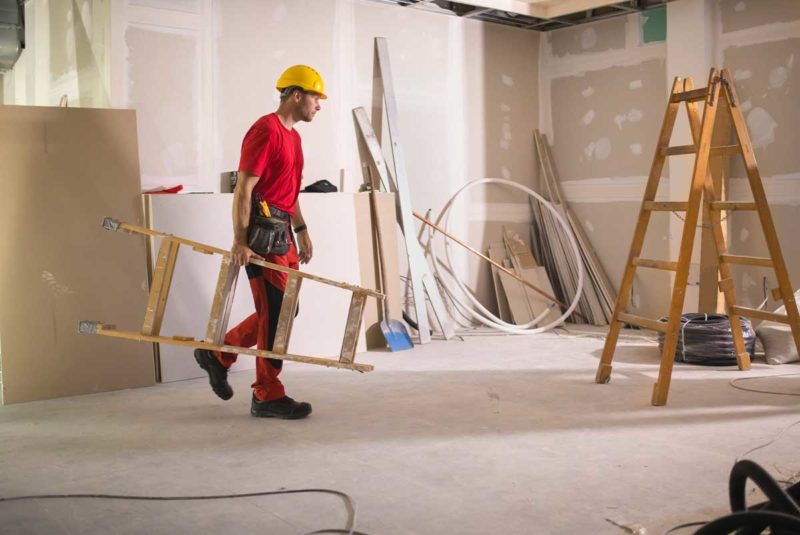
(308, 105)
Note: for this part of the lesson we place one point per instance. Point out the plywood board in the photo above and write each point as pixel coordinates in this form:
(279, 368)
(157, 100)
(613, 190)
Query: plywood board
(64, 170)
(368, 261)
(497, 252)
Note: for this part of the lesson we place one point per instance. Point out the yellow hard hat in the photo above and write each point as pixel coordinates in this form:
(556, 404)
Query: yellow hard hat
(302, 76)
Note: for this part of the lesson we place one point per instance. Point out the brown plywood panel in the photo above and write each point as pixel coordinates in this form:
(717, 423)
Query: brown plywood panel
(605, 123)
(743, 14)
(768, 84)
(64, 170)
(589, 38)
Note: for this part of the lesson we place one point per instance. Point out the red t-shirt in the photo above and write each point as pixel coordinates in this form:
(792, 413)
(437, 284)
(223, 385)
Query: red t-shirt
(275, 154)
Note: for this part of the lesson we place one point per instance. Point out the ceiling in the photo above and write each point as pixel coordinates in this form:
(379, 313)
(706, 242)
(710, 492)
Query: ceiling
(537, 15)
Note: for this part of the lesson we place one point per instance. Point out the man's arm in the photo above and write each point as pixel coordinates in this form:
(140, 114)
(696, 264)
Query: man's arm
(240, 252)
(304, 247)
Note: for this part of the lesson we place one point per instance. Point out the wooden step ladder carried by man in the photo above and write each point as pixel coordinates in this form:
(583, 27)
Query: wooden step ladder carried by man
(702, 194)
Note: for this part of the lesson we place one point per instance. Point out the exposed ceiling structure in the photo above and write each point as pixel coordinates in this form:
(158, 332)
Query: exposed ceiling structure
(538, 15)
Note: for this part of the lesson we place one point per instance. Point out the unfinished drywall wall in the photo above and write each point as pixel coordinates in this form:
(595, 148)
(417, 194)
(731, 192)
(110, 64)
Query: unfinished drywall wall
(759, 42)
(606, 119)
(743, 14)
(466, 94)
(589, 38)
(603, 94)
(169, 110)
(67, 55)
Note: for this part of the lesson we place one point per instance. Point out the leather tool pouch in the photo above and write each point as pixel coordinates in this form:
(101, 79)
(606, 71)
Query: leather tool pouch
(268, 235)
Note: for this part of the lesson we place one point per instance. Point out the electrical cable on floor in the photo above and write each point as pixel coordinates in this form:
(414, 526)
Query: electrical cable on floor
(706, 339)
(775, 439)
(348, 501)
(734, 381)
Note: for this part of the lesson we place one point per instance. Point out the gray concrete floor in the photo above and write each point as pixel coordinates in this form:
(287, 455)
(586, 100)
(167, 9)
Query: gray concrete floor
(490, 435)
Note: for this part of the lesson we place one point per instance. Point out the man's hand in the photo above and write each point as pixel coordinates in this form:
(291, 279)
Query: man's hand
(241, 254)
(305, 249)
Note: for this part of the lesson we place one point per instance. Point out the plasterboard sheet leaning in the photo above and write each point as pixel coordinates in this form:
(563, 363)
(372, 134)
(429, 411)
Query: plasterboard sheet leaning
(217, 324)
(598, 299)
(460, 293)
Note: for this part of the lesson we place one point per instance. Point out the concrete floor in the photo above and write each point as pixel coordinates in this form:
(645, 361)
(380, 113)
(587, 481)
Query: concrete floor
(490, 435)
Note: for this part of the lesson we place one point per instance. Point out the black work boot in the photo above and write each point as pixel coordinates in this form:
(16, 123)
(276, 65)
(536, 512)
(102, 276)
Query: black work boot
(285, 408)
(217, 373)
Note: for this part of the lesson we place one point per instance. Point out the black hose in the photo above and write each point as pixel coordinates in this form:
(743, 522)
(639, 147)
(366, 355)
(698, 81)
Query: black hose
(754, 522)
(780, 513)
(778, 498)
(706, 339)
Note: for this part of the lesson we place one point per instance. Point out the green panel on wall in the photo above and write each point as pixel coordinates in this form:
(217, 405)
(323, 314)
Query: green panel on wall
(654, 25)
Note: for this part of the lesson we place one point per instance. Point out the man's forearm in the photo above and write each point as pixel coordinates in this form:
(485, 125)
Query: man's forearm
(241, 214)
(297, 218)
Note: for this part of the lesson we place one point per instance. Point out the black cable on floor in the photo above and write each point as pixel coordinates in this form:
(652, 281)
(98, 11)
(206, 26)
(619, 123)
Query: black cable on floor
(780, 513)
(740, 379)
(349, 504)
(706, 339)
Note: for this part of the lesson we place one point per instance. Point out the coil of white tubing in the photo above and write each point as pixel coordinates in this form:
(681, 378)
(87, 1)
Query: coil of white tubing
(485, 316)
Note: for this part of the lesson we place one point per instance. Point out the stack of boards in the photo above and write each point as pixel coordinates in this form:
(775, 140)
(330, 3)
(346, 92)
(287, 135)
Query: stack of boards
(552, 247)
(516, 302)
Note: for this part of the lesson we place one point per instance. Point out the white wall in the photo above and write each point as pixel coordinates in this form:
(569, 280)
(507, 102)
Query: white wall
(66, 54)
(199, 72)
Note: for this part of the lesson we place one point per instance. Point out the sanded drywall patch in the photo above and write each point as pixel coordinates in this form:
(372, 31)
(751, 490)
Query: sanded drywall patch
(590, 38)
(163, 73)
(510, 105)
(606, 122)
(609, 227)
(742, 14)
(767, 78)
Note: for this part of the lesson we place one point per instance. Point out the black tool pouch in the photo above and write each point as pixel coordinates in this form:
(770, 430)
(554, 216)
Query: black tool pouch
(268, 235)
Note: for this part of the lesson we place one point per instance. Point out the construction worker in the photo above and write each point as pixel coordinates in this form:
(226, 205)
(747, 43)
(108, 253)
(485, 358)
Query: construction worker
(270, 170)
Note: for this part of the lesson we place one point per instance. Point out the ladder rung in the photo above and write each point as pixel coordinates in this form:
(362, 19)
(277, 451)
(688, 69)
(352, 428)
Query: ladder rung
(746, 260)
(761, 314)
(655, 264)
(726, 150)
(690, 96)
(655, 206)
(647, 323)
(678, 150)
(732, 205)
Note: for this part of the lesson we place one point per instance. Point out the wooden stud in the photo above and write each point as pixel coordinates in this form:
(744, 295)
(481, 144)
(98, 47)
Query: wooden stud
(133, 229)
(656, 264)
(746, 260)
(108, 330)
(658, 206)
(286, 318)
(223, 300)
(647, 323)
(159, 286)
(352, 327)
(762, 315)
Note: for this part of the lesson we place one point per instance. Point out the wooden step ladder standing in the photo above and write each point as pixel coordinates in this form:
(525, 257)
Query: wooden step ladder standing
(701, 194)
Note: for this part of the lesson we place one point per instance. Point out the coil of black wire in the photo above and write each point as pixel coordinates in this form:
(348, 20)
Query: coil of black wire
(706, 339)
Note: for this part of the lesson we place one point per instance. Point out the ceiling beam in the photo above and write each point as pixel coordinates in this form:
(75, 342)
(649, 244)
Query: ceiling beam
(542, 9)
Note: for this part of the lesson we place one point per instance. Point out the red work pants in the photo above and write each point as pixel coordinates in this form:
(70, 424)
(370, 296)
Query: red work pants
(258, 329)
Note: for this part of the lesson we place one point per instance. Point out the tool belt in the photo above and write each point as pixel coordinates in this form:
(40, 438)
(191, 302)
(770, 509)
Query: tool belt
(268, 235)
